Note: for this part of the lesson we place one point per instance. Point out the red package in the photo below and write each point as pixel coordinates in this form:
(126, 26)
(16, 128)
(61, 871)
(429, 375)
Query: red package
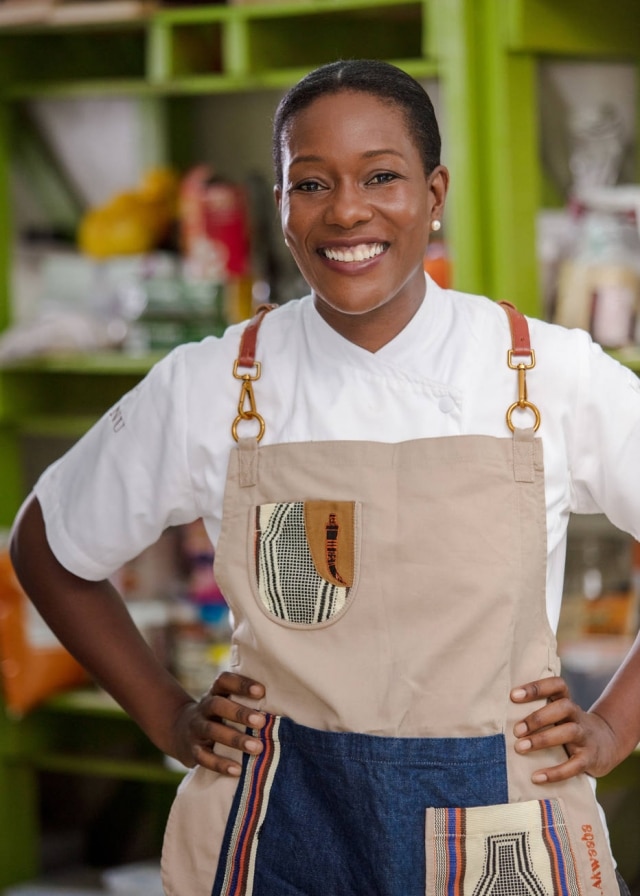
(214, 226)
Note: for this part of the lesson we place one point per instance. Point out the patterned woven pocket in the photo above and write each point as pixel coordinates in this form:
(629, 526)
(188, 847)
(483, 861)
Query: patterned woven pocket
(517, 849)
(305, 559)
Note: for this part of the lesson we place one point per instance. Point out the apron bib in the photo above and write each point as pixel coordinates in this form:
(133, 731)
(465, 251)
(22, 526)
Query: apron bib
(388, 596)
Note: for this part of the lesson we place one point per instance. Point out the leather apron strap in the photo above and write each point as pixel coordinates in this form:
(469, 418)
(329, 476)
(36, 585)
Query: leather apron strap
(246, 361)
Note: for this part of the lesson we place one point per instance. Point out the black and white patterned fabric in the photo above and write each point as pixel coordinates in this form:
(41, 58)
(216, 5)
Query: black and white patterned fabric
(289, 584)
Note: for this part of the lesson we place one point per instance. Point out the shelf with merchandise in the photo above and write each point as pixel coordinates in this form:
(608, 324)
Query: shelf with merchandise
(204, 49)
(515, 37)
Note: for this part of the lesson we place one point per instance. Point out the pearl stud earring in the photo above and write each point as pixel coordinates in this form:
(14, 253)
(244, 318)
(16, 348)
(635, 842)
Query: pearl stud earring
(435, 225)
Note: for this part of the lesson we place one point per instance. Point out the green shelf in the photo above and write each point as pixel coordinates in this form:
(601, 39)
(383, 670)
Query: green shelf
(106, 363)
(630, 357)
(77, 89)
(84, 701)
(569, 28)
(211, 48)
(51, 426)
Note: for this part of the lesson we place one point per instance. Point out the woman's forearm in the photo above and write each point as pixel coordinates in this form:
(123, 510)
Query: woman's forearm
(91, 620)
(619, 704)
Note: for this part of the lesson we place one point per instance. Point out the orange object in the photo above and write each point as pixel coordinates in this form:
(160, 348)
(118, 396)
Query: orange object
(33, 664)
(437, 264)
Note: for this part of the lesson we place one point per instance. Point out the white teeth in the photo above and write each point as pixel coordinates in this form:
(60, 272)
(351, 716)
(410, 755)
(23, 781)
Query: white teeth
(355, 253)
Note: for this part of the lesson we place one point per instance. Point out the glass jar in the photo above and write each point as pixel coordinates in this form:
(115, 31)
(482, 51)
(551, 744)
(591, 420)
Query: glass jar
(599, 283)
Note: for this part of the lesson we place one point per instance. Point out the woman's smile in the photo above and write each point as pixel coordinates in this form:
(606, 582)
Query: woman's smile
(351, 254)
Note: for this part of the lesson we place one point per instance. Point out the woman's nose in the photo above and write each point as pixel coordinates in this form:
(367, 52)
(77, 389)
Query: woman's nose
(348, 206)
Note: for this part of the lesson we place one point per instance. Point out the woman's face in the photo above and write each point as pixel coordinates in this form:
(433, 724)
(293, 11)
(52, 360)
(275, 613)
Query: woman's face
(356, 208)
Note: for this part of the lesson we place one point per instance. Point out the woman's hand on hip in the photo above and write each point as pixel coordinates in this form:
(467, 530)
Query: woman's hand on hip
(214, 719)
(589, 742)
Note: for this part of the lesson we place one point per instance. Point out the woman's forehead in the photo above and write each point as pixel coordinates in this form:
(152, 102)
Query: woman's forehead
(361, 115)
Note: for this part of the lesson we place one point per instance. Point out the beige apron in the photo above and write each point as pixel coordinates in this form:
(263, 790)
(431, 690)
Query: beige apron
(398, 591)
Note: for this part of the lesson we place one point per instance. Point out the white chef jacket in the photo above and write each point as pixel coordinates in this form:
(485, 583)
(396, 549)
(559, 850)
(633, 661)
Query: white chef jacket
(159, 456)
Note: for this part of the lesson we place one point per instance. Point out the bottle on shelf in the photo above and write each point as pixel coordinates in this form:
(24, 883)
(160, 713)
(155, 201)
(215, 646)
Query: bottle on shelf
(599, 282)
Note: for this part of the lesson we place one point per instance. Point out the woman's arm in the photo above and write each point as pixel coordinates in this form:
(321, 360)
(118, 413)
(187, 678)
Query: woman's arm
(91, 620)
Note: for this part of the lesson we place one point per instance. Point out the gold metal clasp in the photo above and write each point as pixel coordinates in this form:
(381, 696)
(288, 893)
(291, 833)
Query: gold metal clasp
(247, 403)
(523, 403)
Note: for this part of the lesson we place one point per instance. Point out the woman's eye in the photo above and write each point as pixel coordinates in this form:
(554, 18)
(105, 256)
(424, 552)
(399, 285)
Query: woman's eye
(384, 177)
(308, 186)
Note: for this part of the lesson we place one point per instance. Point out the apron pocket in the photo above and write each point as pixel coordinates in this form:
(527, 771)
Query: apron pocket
(305, 560)
(507, 849)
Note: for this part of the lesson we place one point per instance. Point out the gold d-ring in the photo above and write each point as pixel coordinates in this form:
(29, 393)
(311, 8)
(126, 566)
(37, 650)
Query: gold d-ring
(248, 415)
(523, 405)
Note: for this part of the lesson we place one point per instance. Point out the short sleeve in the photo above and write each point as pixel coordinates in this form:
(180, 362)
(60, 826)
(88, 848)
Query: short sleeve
(605, 447)
(127, 480)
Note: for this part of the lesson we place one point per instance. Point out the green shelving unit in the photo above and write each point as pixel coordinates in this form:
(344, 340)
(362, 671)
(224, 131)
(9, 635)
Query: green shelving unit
(515, 37)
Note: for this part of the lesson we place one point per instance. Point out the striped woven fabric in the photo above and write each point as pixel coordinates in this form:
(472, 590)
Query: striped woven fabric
(519, 849)
(251, 805)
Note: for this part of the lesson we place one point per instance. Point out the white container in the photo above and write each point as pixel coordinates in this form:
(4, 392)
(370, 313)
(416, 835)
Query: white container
(137, 879)
(42, 889)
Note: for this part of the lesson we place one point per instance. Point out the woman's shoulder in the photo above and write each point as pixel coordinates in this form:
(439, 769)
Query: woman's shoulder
(489, 317)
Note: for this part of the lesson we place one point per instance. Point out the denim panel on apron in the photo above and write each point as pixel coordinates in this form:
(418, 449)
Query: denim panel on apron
(414, 602)
(305, 808)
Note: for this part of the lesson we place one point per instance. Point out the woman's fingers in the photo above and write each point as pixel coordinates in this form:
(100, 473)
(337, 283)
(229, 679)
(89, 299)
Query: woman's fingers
(574, 765)
(587, 740)
(552, 688)
(555, 713)
(230, 683)
(562, 735)
(220, 720)
(217, 733)
(229, 710)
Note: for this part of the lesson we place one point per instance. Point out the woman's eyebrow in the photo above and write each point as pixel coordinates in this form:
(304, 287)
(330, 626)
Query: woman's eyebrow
(372, 153)
(368, 154)
(301, 160)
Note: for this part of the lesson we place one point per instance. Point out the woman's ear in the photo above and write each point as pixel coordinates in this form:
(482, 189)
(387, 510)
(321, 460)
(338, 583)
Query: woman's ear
(438, 184)
(277, 195)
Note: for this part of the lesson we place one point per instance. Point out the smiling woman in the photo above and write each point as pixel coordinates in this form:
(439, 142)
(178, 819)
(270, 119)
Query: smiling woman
(356, 207)
(359, 186)
(390, 538)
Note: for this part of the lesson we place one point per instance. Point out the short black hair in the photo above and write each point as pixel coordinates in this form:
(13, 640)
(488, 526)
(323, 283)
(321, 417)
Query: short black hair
(380, 79)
